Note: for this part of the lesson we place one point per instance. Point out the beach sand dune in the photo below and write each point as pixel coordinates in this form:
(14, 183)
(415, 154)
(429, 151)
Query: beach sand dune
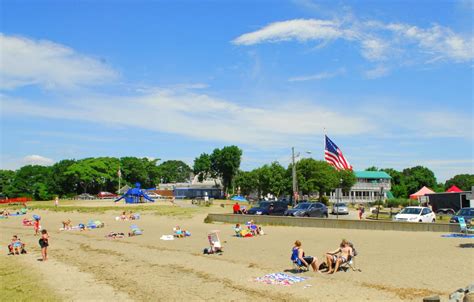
(86, 265)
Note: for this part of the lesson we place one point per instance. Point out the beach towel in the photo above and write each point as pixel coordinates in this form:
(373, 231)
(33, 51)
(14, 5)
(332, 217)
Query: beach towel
(167, 237)
(457, 236)
(280, 279)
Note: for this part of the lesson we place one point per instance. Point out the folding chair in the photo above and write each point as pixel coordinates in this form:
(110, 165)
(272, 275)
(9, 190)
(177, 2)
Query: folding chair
(464, 228)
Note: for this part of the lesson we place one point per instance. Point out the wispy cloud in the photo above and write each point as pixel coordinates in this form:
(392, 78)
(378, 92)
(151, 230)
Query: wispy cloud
(318, 76)
(199, 116)
(377, 41)
(49, 65)
(377, 72)
(298, 29)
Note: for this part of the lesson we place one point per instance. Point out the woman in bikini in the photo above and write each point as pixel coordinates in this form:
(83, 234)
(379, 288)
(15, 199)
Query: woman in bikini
(44, 243)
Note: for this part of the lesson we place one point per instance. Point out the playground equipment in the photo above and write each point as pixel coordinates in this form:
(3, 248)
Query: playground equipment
(135, 195)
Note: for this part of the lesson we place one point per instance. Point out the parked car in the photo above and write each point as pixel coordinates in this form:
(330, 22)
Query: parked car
(269, 208)
(85, 196)
(106, 195)
(467, 213)
(308, 209)
(340, 208)
(445, 211)
(153, 195)
(415, 214)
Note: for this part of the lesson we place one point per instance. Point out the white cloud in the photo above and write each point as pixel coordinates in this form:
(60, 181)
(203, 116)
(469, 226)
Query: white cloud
(318, 76)
(377, 72)
(25, 62)
(377, 41)
(298, 29)
(37, 160)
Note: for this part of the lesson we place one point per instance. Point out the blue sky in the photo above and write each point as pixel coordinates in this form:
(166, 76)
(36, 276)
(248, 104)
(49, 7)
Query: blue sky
(390, 81)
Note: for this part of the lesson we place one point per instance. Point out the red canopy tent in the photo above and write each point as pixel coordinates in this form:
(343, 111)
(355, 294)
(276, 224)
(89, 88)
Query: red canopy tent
(453, 189)
(422, 192)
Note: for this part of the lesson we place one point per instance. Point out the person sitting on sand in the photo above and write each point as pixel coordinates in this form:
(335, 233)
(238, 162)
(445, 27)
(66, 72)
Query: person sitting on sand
(67, 224)
(131, 216)
(339, 256)
(253, 228)
(298, 256)
(123, 216)
(16, 246)
(178, 232)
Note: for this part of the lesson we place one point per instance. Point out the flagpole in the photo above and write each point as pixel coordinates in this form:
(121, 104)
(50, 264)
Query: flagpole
(120, 178)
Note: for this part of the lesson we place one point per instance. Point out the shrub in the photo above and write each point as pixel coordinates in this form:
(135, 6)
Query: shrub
(324, 199)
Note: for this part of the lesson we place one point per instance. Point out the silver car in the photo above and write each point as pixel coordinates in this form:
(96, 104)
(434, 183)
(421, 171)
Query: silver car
(340, 208)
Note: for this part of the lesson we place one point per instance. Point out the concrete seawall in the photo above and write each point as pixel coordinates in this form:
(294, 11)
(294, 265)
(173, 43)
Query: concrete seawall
(336, 223)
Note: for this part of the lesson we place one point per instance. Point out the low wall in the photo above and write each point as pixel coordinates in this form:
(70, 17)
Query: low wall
(335, 223)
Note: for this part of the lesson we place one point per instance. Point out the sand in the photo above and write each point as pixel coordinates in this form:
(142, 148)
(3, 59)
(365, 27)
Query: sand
(86, 266)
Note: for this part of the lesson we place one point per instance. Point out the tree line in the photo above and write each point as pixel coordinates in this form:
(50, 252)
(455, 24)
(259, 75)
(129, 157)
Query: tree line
(70, 177)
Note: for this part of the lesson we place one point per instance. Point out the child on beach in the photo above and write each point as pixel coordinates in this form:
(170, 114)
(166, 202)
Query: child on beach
(36, 226)
(16, 246)
(44, 243)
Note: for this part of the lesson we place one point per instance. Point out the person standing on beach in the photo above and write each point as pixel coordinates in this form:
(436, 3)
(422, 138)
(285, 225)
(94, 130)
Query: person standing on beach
(361, 211)
(36, 226)
(56, 201)
(44, 243)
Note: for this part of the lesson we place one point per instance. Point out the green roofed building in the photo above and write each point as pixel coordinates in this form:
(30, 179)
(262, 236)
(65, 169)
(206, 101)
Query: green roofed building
(369, 187)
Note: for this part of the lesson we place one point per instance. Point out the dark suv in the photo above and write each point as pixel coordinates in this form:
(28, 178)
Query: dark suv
(269, 208)
(308, 209)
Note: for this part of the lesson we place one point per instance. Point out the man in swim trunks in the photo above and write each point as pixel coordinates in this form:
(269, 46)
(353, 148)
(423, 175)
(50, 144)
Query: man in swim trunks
(339, 256)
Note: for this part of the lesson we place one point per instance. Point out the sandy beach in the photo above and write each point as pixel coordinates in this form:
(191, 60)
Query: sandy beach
(86, 266)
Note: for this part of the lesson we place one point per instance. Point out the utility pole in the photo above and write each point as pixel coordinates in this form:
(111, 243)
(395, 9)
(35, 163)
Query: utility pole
(295, 192)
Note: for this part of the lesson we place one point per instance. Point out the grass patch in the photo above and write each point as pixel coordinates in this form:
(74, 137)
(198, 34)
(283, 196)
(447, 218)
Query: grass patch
(72, 206)
(20, 283)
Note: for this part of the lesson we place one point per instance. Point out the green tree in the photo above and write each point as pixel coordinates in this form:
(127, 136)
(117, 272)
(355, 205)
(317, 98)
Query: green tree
(462, 181)
(348, 179)
(247, 181)
(202, 166)
(225, 163)
(142, 170)
(399, 188)
(373, 168)
(31, 181)
(94, 174)
(417, 177)
(316, 176)
(6, 178)
(59, 182)
(174, 171)
(271, 179)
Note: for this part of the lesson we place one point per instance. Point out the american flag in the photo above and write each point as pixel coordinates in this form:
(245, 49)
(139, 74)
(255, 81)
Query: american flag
(334, 157)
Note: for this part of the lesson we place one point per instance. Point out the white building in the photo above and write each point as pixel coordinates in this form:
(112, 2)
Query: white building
(369, 187)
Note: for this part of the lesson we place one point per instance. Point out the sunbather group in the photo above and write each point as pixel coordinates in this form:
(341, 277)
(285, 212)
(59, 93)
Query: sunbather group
(251, 230)
(180, 233)
(332, 260)
(129, 216)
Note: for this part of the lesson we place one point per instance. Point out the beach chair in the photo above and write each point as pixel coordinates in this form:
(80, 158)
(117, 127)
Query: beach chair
(350, 263)
(463, 227)
(297, 264)
(215, 242)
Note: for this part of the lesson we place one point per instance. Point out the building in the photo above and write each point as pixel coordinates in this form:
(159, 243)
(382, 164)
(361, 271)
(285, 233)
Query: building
(211, 188)
(451, 200)
(370, 186)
